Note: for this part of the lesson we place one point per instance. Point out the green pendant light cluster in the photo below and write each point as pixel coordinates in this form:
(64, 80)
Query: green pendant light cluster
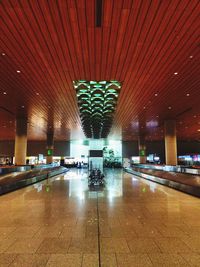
(97, 101)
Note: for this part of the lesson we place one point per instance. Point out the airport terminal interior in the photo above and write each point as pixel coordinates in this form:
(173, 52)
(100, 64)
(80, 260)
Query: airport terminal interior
(99, 133)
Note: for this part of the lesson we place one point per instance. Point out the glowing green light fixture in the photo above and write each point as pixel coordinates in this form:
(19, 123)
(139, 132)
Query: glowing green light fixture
(97, 101)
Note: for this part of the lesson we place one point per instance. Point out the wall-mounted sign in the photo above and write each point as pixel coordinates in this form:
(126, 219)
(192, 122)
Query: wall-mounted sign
(49, 152)
(142, 153)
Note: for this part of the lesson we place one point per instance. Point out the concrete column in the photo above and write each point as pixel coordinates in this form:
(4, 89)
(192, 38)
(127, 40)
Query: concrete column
(21, 141)
(50, 147)
(142, 149)
(170, 142)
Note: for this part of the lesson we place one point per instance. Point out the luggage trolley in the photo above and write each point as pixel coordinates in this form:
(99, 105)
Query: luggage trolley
(96, 178)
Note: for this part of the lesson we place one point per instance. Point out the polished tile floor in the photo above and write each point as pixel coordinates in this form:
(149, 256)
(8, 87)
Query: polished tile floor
(132, 222)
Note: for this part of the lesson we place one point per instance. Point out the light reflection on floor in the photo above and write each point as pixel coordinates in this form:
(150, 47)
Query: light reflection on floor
(54, 223)
(78, 185)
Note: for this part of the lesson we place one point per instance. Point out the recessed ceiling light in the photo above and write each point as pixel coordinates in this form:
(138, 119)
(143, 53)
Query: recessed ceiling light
(3, 54)
(156, 94)
(37, 93)
(198, 130)
(169, 107)
(175, 73)
(187, 94)
(144, 107)
(22, 106)
(18, 71)
(191, 56)
(4, 93)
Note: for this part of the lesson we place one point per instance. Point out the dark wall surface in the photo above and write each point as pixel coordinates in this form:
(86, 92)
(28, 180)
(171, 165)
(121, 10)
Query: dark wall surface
(61, 148)
(188, 147)
(156, 147)
(36, 147)
(129, 148)
(7, 148)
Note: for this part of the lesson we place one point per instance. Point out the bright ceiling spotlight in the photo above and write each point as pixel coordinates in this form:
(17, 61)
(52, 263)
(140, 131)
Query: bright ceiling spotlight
(97, 101)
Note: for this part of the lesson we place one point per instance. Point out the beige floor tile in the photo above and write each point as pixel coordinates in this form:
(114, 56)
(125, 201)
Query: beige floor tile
(6, 243)
(24, 245)
(105, 231)
(143, 245)
(114, 245)
(54, 245)
(192, 242)
(147, 231)
(91, 231)
(65, 260)
(129, 232)
(67, 221)
(189, 230)
(170, 231)
(6, 259)
(90, 260)
(192, 259)
(132, 224)
(24, 232)
(48, 232)
(172, 245)
(5, 232)
(86, 245)
(30, 260)
(108, 260)
(167, 260)
(117, 232)
(67, 232)
(130, 260)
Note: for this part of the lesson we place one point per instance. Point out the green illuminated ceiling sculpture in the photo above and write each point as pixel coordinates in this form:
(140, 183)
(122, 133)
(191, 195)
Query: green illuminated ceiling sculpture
(97, 101)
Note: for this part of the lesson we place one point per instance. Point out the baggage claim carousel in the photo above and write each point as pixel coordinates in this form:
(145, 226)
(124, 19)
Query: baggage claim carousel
(13, 178)
(180, 178)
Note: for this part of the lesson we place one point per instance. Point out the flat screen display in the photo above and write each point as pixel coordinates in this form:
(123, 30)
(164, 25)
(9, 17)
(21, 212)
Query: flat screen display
(96, 153)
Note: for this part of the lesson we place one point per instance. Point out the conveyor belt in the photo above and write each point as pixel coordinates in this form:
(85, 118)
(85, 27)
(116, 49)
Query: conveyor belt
(187, 183)
(17, 180)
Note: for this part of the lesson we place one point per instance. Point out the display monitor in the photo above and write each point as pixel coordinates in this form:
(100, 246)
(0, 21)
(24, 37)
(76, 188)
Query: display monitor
(96, 153)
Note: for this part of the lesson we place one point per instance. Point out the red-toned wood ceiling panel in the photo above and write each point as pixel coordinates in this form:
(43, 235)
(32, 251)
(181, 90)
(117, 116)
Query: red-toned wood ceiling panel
(140, 43)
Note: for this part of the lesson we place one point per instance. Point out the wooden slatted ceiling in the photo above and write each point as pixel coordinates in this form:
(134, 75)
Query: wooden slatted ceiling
(141, 43)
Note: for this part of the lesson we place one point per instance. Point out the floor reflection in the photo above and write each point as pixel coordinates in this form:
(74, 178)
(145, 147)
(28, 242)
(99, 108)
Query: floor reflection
(77, 182)
(137, 223)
